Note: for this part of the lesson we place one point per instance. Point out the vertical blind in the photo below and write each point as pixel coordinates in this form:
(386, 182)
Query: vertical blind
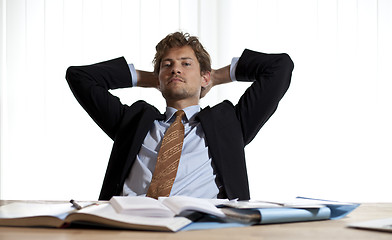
(330, 136)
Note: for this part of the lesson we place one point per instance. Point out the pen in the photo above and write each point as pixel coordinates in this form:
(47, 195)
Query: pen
(75, 204)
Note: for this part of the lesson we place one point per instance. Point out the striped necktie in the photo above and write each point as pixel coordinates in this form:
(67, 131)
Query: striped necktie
(168, 158)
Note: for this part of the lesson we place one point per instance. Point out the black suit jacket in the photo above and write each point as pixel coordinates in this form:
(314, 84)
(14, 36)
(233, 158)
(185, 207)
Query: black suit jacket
(228, 128)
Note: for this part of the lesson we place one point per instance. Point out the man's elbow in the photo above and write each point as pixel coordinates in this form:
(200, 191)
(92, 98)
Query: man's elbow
(287, 67)
(287, 62)
(70, 74)
(74, 75)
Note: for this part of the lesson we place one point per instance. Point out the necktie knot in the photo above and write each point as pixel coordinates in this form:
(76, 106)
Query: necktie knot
(179, 115)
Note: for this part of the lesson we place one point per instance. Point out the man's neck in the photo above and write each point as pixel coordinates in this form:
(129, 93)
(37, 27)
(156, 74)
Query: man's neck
(181, 104)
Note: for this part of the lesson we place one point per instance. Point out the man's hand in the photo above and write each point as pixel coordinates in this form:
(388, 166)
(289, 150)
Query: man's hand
(219, 76)
(147, 79)
(206, 89)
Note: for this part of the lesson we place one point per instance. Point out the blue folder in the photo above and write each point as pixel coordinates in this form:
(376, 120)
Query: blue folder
(331, 210)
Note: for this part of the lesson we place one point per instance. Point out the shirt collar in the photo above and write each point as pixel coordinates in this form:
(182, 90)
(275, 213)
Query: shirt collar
(190, 112)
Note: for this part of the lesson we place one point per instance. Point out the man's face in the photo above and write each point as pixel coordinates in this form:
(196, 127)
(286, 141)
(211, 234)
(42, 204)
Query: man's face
(179, 76)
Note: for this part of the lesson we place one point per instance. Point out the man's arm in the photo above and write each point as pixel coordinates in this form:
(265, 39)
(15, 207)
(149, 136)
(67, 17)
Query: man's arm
(90, 85)
(271, 77)
(218, 76)
(147, 79)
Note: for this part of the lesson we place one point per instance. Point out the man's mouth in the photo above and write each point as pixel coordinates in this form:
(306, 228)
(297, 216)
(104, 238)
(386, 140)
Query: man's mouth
(175, 79)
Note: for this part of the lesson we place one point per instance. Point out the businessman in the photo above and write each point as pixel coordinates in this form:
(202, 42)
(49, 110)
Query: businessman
(186, 150)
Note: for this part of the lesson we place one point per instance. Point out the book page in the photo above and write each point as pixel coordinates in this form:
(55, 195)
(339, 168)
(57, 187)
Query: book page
(25, 209)
(251, 204)
(140, 206)
(34, 214)
(179, 204)
(165, 207)
(107, 215)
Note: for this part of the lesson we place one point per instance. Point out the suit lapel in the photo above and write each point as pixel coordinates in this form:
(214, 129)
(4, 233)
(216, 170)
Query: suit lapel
(144, 125)
(207, 122)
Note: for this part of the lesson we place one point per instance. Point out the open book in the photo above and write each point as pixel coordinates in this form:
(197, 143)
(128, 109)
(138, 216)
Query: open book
(164, 206)
(101, 215)
(121, 212)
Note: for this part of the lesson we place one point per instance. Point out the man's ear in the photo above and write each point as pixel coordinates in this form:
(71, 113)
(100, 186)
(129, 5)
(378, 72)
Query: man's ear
(158, 86)
(206, 84)
(206, 78)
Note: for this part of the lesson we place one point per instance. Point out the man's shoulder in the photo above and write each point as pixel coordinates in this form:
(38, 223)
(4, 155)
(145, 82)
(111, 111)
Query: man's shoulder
(220, 111)
(224, 105)
(142, 106)
(140, 112)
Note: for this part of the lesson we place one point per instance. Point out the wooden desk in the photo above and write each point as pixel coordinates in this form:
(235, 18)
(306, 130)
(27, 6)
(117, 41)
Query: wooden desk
(331, 229)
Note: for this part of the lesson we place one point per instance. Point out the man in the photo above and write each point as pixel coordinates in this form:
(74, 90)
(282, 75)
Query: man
(212, 159)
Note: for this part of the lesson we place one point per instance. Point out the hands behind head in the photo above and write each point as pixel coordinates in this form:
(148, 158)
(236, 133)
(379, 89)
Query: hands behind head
(206, 89)
(147, 79)
(219, 76)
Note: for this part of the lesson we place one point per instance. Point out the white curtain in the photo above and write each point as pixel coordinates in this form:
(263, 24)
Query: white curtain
(330, 137)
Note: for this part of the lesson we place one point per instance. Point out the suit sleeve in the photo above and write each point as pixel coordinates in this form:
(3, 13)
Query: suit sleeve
(271, 77)
(91, 84)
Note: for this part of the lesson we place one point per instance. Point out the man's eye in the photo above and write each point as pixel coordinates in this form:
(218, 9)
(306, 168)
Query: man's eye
(187, 64)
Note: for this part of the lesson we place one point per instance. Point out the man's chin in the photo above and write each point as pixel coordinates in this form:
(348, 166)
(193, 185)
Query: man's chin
(176, 95)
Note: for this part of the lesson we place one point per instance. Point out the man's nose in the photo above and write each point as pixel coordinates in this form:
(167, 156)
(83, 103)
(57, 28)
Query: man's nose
(176, 69)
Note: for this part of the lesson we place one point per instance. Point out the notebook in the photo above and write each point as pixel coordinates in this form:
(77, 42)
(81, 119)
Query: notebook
(377, 224)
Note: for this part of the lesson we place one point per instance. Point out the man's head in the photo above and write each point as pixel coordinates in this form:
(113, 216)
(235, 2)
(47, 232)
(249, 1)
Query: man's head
(183, 68)
(179, 39)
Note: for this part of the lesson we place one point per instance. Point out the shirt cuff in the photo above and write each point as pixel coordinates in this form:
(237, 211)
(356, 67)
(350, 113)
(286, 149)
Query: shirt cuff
(233, 67)
(133, 74)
